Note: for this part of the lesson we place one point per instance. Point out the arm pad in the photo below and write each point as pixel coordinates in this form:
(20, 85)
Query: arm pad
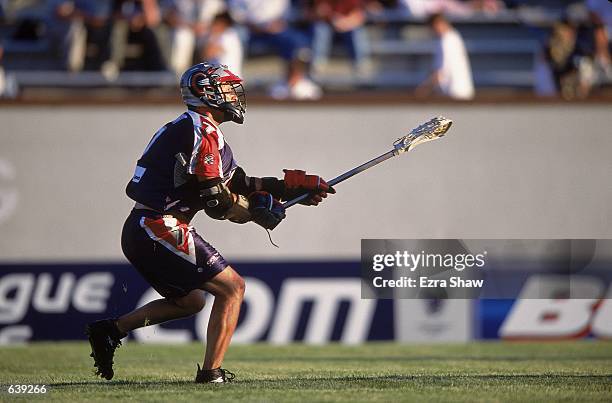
(245, 185)
(220, 204)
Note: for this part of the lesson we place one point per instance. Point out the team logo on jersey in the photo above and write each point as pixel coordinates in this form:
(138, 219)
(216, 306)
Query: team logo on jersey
(213, 259)
(209, 159)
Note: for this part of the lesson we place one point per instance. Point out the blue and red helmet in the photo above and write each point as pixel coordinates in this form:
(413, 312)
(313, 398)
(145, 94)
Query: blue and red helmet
(215, 86)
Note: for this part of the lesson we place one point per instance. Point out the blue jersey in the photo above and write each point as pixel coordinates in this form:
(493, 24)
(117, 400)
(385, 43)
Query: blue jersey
(166, 175)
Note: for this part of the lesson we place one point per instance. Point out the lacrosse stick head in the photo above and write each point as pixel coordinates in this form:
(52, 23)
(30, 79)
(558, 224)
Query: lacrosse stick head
(428, 131)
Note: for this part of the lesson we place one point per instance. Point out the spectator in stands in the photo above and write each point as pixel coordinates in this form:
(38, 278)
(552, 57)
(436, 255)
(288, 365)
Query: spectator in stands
(8, 84)
(345, 19)
(455, 8)
(576, 55)
(189, 21)
(26, 18)
(425, 8)
(490, 7)
(600, 14)
(297, 86)
(223, 44)
(452, 74)
(81, 28)
(134, 23)
(559, 54)
(555, 66)
(266, 23)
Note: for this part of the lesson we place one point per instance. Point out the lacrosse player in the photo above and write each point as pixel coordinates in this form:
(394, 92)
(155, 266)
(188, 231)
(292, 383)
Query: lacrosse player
(187, 167)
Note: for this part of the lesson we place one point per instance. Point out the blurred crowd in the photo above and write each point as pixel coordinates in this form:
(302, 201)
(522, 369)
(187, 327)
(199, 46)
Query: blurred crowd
(111, 36)
(576, 56)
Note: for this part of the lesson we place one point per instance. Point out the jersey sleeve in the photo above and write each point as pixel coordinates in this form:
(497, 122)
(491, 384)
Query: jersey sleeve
(206, 158)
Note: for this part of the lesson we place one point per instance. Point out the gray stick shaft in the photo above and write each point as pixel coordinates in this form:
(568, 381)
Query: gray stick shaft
(346, 175)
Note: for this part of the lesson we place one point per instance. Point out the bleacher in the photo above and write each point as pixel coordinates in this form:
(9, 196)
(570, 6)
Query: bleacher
(501, 49)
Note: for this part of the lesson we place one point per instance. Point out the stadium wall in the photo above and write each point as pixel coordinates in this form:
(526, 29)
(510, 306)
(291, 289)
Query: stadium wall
(511, 171)
(502, 172)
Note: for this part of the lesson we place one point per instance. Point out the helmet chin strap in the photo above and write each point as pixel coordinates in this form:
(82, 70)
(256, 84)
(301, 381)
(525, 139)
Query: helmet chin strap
(230, 114)
(235, 118)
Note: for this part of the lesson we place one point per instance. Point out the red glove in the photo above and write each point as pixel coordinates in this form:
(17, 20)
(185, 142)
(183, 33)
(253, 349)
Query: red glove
(296, 180)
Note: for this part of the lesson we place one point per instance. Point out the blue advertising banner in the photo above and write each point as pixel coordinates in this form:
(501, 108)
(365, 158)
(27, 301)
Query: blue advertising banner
(314, 302)
(311, 302)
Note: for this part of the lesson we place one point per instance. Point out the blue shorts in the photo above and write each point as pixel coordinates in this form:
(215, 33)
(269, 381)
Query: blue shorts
(170, 255)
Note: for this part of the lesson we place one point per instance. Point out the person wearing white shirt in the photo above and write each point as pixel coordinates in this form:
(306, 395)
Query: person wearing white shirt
(600, 13)
(452, 73)
(267, 24)
(223, 44)
(189, 21)
(424, 8)
(260, 13)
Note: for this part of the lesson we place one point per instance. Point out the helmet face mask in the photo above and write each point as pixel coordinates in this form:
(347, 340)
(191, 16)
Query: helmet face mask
(234, 98)
(215, 86)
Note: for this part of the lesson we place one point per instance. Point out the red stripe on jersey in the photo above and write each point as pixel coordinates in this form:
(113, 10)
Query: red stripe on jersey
(208, 161)
(178, 238)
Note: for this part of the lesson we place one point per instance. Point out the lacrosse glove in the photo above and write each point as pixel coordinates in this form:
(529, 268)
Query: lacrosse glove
(265, 210)
(297, 182)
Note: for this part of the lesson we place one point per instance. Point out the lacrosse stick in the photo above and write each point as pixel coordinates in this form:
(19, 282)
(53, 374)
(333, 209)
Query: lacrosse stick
(432, 130)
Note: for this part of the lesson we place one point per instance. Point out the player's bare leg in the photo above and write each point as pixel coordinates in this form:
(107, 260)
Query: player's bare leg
(228, 288)
(162, 310)
(105, 335)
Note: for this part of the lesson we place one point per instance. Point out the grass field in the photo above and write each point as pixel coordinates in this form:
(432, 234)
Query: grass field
(487, 372)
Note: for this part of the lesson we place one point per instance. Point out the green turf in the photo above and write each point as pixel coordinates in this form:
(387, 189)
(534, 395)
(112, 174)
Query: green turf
(487, 372)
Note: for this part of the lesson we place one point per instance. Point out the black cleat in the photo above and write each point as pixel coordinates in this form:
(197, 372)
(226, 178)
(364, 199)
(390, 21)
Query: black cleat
(104, 338)
(217, 375)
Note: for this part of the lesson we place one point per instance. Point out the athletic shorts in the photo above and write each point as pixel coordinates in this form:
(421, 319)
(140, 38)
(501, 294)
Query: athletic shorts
(170, 255)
